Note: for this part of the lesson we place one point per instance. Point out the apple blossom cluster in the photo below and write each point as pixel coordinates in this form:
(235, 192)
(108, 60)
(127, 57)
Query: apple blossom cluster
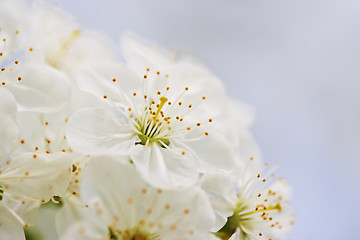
(147, 148)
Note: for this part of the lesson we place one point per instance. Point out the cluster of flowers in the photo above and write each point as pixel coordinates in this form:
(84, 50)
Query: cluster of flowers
(149, 149)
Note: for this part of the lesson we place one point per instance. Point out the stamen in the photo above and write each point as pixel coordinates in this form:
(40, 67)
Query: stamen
(265, 209)
(163, 100)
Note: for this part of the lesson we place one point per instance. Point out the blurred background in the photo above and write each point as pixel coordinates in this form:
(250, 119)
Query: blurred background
(296, 62)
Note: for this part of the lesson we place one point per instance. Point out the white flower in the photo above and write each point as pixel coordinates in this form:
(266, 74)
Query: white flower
(235, 118)
(11, 227)
(45, 48)
(122, 206)
(28, 179)
(54, 36)
(35, 85)
(58, 40)
(162, 122)
(173, 123)
(45, 133)
(256, 207)
(40, 51)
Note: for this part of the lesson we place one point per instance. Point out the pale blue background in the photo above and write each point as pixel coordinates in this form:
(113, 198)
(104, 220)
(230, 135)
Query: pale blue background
(296, 62)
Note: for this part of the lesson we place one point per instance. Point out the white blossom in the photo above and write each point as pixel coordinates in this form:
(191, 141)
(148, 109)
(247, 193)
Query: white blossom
(122, 206)
(173, 123)
(235, 117)
(256, 207)
(35, 85)
(153, 148)
(40, 50)
(28, 179)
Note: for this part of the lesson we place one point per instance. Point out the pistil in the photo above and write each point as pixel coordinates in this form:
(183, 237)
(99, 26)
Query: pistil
(163, 100)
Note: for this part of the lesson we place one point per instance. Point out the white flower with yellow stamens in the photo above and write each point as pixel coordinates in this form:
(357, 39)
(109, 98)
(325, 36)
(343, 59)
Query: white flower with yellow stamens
(250, 208)
(44, 133)
(163, 121)
(235, 119)
(26, 180)
(122, 206)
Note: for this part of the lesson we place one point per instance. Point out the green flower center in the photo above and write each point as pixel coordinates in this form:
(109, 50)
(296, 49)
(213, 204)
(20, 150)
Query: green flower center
(152, 126)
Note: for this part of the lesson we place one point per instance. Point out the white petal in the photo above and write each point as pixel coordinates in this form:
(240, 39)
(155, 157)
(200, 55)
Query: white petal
(11, 227)
(201, 82)
(37, 128)
(72, 211)
(8, 125)
(98, 130)
(140, 55)
(113, 182)
(188, 209)
(248, 150)
(77, 232)
(282, 187)
(41, 88)
(98, 79)
(164, 168)
(11, 12)
(24, 208)
(211, 151)
(38, 176)
(220, 187)
(31, 132)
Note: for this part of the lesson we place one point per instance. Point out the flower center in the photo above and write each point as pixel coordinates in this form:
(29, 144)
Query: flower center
(151, 125)
(241, 217)
(135, 233)
(157, 111)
